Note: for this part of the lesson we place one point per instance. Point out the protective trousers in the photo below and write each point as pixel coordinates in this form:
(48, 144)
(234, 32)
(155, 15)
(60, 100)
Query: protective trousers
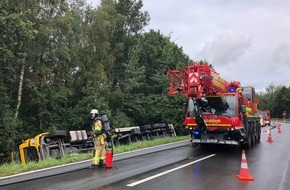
(100, 150)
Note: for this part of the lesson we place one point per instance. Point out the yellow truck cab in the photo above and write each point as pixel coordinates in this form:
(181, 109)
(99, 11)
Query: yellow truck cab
(29, 150)
(55, 144)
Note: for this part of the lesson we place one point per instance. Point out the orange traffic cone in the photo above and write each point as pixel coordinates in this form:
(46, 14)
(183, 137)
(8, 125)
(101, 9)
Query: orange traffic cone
(244, 171)
(270, 137)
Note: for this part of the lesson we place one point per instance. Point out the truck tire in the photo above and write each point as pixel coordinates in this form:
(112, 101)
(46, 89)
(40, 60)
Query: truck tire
(71, 150)
(58, 133)
(55, 153)
(247, 144)
(259, 133)
(253, 133)
(253, 139)
(256, 134)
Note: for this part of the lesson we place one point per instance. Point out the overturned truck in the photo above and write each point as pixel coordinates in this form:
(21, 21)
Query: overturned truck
(57, 143)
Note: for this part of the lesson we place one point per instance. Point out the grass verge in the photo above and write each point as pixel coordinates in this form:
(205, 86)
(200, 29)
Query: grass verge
(15, 168)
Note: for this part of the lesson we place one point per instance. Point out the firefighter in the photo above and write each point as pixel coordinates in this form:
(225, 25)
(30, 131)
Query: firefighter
(99, 137)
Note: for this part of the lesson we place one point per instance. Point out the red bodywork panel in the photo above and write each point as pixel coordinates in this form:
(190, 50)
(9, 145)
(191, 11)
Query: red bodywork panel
(213, 122)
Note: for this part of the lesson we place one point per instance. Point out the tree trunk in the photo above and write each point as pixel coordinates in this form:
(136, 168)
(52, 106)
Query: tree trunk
(19, 96)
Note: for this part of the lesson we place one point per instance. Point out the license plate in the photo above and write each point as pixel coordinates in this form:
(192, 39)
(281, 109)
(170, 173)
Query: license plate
(212, 140)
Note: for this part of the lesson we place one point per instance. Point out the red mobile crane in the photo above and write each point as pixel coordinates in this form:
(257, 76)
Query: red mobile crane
(218, 111)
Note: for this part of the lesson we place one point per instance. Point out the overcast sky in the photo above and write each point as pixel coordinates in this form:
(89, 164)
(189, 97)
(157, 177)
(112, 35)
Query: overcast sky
(245, 40)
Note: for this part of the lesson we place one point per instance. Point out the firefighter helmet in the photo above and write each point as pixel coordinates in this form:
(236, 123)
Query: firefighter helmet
(94, 113)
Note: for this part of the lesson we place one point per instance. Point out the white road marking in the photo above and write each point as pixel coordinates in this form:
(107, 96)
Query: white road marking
(284, 179)
(168, 171)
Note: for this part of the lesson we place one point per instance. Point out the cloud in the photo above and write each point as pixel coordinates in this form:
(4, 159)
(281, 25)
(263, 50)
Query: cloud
(281, 55)
(246, 41)
(227, 48)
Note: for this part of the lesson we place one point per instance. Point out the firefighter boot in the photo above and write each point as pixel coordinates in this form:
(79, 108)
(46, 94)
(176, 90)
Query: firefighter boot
(101, 163)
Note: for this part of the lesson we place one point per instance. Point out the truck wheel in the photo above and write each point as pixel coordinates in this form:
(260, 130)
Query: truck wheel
(259, 135)
(248, 142)
(253, 134)
(256, 135)
(258, 132)
(55, 153)
(246, 145)
(71, 150)
(58, 133)
(253, 139)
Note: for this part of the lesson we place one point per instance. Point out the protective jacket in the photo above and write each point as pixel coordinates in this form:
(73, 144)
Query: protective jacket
(99, 142)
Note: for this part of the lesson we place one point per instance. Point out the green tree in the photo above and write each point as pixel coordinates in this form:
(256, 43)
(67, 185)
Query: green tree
(127, 22)
(281, 101)
(275, 99)
(60, 59)
(147, 85)
(16, 33)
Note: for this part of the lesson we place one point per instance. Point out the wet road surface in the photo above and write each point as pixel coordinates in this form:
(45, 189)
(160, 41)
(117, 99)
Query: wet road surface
(267, 162)
(211, 167)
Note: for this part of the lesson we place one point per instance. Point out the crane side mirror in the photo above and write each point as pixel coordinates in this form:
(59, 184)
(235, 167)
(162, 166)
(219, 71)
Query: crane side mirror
(243, 109)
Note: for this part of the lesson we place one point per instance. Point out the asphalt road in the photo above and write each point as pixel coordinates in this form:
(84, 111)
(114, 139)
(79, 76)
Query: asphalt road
(186, 167)
(268, 163)
(79, 176)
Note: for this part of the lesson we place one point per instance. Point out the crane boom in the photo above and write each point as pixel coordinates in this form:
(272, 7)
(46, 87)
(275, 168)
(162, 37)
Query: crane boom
(198, 80)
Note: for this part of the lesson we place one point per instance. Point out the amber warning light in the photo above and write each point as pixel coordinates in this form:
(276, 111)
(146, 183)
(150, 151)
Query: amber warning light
(239, 90)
